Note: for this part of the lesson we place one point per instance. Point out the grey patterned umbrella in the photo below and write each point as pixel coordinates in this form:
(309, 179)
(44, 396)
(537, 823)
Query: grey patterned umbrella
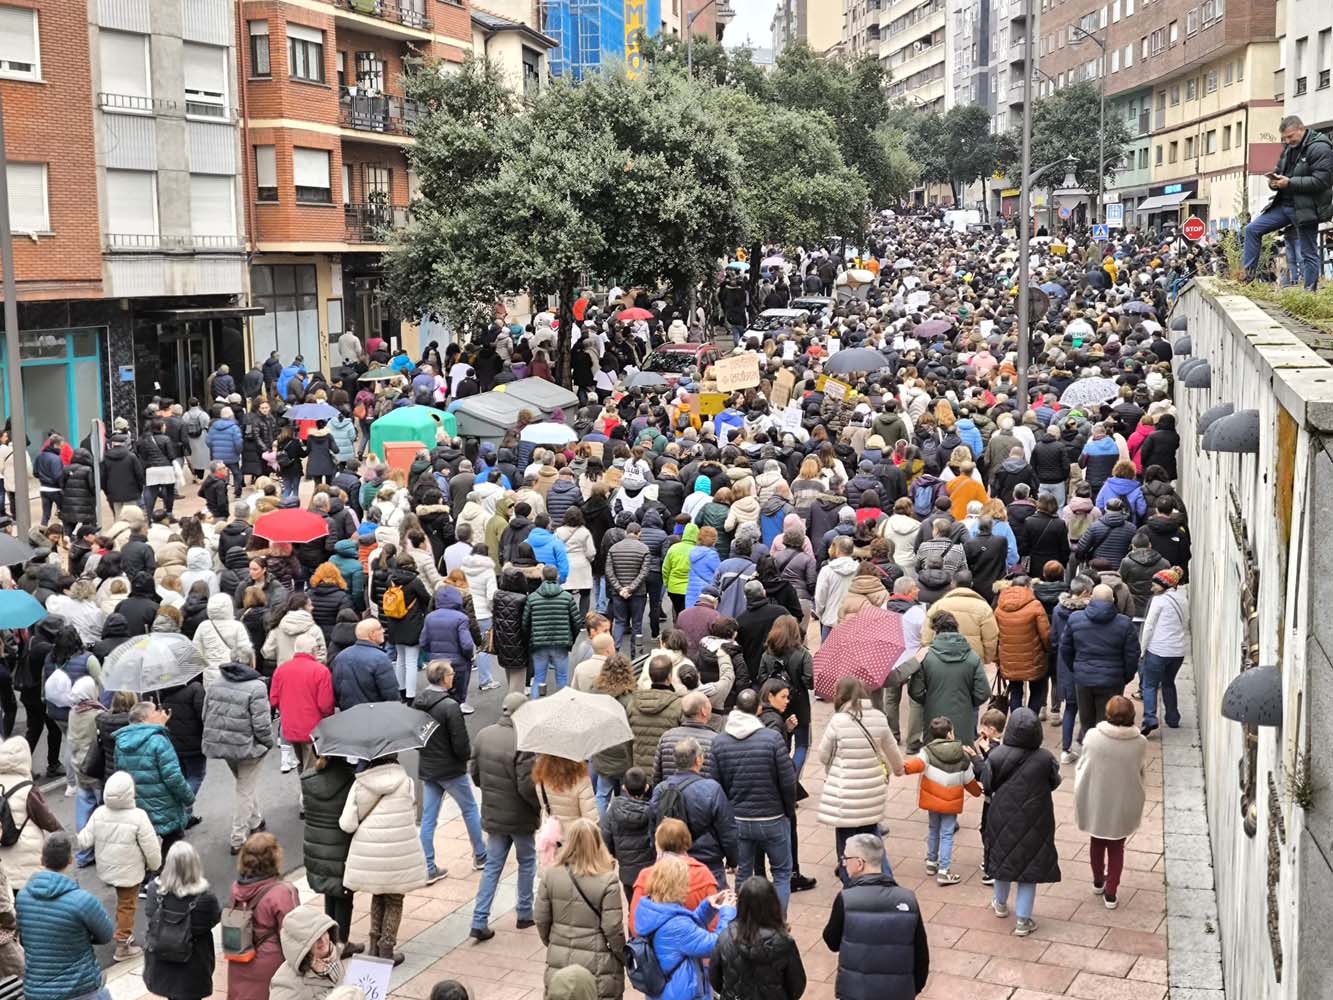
(152, 662)
(571, 724)
(373, 729)
(1089, 390)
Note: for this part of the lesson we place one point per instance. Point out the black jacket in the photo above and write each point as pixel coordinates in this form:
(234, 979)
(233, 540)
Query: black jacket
(751, 764)
(1018, 778)
(1045, 538)
(78, 495)
(137, 556)
(323, 794)
(140, 608)
(194, 976)
(186, 725)
(627, 831)
(1309, 195)
(326, 600)
(1050, 461)
(408, 628)
(234, 534)
(122, 475)
(753, 628)
(875, 926)
(1161, 446)
(987, 558)
(1169, 539)
(445, 756)
(1137, 570)
(509, 640)
(154, 450)
(768, 968)
(508, 798)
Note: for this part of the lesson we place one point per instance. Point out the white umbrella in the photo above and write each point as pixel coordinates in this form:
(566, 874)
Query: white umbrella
(860, 275)
(902, 264)
(548, 432)
(151, 663)
(1089, 390)
(571, 724)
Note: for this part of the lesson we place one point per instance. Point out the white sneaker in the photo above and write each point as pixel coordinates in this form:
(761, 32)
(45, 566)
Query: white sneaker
(466, 709)
(1001, 910)
(1069, 757)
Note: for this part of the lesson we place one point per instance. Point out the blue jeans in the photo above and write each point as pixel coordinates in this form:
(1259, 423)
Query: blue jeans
(85, 801)
(1056, 490)
(291, 487)
(553, 658)
(237, 480)
(1036, 694)
(773, 837)
(842, 834)
(1067, 722)
(939, 838)
(497, 853)
(1023, 900)
(1304, 236)
(800, 748)
(627, 616)
(194, 769)
(432, 795)
(599, 595)
(603, 788)
(1154, 672)
(484, 675)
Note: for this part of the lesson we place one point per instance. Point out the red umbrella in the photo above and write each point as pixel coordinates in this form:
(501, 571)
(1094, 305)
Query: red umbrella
(630, 315)
(292, 525)
(864, 646)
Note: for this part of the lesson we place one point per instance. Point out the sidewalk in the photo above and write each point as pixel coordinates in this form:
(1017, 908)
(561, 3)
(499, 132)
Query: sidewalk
(1080, 948)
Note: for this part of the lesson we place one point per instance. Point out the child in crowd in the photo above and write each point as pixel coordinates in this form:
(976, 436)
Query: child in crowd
(946, 772)
(989, 732)
(627, 828)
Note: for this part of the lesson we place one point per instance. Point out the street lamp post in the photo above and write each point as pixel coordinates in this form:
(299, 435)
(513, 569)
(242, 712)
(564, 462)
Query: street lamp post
(17, 412)
(689, 35)
(1025, 213)
(1079, 34)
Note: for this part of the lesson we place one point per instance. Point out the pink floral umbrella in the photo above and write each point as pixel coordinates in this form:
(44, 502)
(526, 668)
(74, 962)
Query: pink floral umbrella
(864, 646)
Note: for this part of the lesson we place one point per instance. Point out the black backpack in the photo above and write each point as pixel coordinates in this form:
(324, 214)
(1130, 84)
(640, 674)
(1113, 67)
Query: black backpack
(671, 803)
(170, 935)
(9, 830)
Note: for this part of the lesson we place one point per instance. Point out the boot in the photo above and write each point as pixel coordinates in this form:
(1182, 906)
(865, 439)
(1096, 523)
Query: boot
(386, 951)
(349, 949)
(126, 950)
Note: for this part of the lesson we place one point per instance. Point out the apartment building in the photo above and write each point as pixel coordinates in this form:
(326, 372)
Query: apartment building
(817, 23)
(327, 178)
(910, 41)
(1304, 77)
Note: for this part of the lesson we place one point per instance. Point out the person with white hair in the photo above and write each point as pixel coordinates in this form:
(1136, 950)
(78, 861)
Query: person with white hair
(181, 891)
(225, 445)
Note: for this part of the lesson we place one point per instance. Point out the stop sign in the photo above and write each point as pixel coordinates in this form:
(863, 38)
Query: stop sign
(1194, 228)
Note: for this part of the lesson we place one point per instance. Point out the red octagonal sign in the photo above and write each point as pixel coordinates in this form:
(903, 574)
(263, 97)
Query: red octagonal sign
(1194, 228)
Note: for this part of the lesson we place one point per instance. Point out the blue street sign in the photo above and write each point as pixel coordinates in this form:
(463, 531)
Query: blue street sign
(1101, 232)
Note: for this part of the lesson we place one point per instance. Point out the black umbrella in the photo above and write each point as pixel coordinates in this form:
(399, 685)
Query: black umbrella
(14, 551)
(856, 359)
(372, 730)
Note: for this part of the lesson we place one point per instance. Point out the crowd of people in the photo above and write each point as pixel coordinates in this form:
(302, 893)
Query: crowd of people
(1036, 553)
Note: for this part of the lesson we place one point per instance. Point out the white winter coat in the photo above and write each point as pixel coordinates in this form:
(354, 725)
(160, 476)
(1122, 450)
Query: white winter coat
(581, 550)
(385, 856)
(1109, 794)
(199, 566)
(280, 646)
(24, 859)
(481, 583)
(900, 532)
(87, 617)
(855, 787)
(122, 835)
(222, 639)
(1166, 629)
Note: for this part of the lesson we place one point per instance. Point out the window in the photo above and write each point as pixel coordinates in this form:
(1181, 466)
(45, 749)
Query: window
(310, 175)
(131, 206)
(1230, 74)
(1115, 60)
(1115, 11)
(259, 55)
(1157, 41)
(305, 53)
(1159, 156)
(1173, 152)
(266, 173)
(20, 50)
(341, 58)
(1174, 27)
(1240, 68)
(347, 184)
(213, 206)
(290, 324)
(1210, 82)
(1129, 56)
(1226, 137)
(205, 80)
(124, 63)
(1191, 90)
(1175, 94)
(1143, 50)
(1192, 21)
(1210, 11)
(1210, 142)
(1129, 8)
(1189, 147)
(369, 73)
(28, 209)
(1143, 158)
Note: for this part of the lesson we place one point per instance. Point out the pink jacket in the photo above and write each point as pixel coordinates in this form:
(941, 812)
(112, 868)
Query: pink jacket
(1135, 444)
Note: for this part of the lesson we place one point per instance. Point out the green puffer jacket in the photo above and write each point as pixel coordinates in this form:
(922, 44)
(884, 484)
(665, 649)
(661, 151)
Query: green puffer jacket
(551, 617)
(676, 564)
(714, 514)
(144, 751)
(651, 713)
(323, 794)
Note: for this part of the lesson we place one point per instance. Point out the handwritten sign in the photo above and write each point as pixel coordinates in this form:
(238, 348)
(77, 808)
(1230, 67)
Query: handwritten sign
(782, 387)
(834, 346)
(370, 975)
(836, 390)
(791, 418)
(740, 371)
(789, 350)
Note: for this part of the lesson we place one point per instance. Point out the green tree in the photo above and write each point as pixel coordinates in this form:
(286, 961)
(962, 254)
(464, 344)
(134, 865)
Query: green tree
(636, 180)
(956, 148)
(713, 62)
(1065, 124)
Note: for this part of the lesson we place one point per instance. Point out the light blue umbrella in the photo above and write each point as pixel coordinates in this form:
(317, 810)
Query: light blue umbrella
(19, 609)
(738, 265)
(311, 411)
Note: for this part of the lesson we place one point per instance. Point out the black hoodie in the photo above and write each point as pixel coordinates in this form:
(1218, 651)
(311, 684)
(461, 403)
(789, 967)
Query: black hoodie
(115, 632)
(140, 608)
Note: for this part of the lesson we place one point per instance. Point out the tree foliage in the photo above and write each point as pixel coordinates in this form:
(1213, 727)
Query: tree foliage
(955, 148)
(1065, 124)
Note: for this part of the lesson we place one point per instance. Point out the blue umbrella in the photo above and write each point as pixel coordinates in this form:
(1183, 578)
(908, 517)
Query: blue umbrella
(19, 609)
(1054, 288)
(738, 265)
(311, 411)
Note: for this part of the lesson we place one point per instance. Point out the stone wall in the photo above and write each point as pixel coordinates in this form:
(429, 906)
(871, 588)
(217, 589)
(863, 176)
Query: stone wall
(1259, 525)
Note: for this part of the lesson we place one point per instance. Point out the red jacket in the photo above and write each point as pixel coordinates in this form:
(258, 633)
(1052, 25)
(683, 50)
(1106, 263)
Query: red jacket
(302, 690)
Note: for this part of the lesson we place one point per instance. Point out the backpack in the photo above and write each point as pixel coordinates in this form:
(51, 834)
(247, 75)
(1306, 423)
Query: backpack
(671, 803)
(770, 666)
(732, 602)
(642, 967)
(238, 929)
(170, 936)
(924, 491)
(9, 830)
(193, 427)
(394, 603)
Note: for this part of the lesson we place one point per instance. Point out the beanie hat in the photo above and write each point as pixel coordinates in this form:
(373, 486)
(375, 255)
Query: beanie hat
(1167, 578)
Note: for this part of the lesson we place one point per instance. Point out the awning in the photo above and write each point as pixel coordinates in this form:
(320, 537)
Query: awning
(213, 312)
(1163, 202)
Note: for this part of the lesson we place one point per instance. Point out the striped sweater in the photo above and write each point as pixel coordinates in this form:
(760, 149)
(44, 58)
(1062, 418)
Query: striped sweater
(946, 772)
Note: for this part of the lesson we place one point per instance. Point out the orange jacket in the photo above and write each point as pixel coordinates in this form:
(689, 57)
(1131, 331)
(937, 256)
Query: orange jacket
(942, 784)
(963, 490)
(701, 886)
(1024, 634)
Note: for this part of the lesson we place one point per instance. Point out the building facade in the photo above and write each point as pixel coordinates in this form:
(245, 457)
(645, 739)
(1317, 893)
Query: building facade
(817, 23)
(1304, 78)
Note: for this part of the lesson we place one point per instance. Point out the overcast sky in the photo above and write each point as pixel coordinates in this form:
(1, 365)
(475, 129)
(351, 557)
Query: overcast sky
(752, 21)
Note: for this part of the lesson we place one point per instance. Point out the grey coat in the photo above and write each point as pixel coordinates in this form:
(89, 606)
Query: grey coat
(237, 725)
(583, 931)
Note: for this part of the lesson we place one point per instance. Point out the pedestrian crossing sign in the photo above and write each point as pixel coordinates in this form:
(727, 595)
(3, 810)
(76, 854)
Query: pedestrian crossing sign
(1101, 232)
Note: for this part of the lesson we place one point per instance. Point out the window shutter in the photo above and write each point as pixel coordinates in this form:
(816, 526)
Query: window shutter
(266, 167)
(131, 200)
(205, 71)
(212, 205)
(17, 36)
(310, 168)
(27, 197)
(124, 63)
(303, 34)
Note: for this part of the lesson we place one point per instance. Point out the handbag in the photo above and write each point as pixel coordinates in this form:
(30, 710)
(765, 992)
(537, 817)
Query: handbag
(883, 764)
(999, 699)
(550, 836)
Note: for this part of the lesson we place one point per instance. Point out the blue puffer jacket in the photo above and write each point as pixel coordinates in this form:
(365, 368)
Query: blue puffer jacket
(1103, 646)
(1128, 490)
(563, 495)
(446, 635)
(343, 430)
(704, 562)
(224, 441)
(145, 752)
(682, 941)
(344, 558)
(49, 468)
(753, 767)
(58, 925)
(548, 549)
(970, 436)
(362, 673)
(288, 373)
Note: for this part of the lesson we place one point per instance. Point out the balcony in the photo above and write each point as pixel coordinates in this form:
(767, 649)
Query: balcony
(132, 104)
(377, 113)
(372, 223)
(166, 243)
(393, 15)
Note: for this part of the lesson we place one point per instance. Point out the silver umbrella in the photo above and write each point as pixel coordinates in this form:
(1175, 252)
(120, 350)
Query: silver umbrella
(571, 724)
(151, 663)
(1087, 391)
(646, 380)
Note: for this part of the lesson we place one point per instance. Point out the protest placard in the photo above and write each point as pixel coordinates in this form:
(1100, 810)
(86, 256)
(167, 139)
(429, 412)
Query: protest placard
(740, 371)
(782, 387)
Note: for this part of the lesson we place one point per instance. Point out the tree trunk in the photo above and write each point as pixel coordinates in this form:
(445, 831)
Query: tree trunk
(756, 255)
(562, 349)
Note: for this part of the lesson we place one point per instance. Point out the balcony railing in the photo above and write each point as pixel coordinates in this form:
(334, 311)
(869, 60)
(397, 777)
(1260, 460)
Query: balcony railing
(162, 243)
(406, 14)
(372, 223)
(378, 113)
(132, 104)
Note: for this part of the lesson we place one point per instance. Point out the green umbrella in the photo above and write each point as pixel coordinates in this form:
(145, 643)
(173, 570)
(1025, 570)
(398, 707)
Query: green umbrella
(412, 423)
(379, 375)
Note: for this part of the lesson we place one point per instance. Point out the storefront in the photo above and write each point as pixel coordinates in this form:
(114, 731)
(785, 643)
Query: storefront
(1161, 209)
(176, 350)
(64, 385)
